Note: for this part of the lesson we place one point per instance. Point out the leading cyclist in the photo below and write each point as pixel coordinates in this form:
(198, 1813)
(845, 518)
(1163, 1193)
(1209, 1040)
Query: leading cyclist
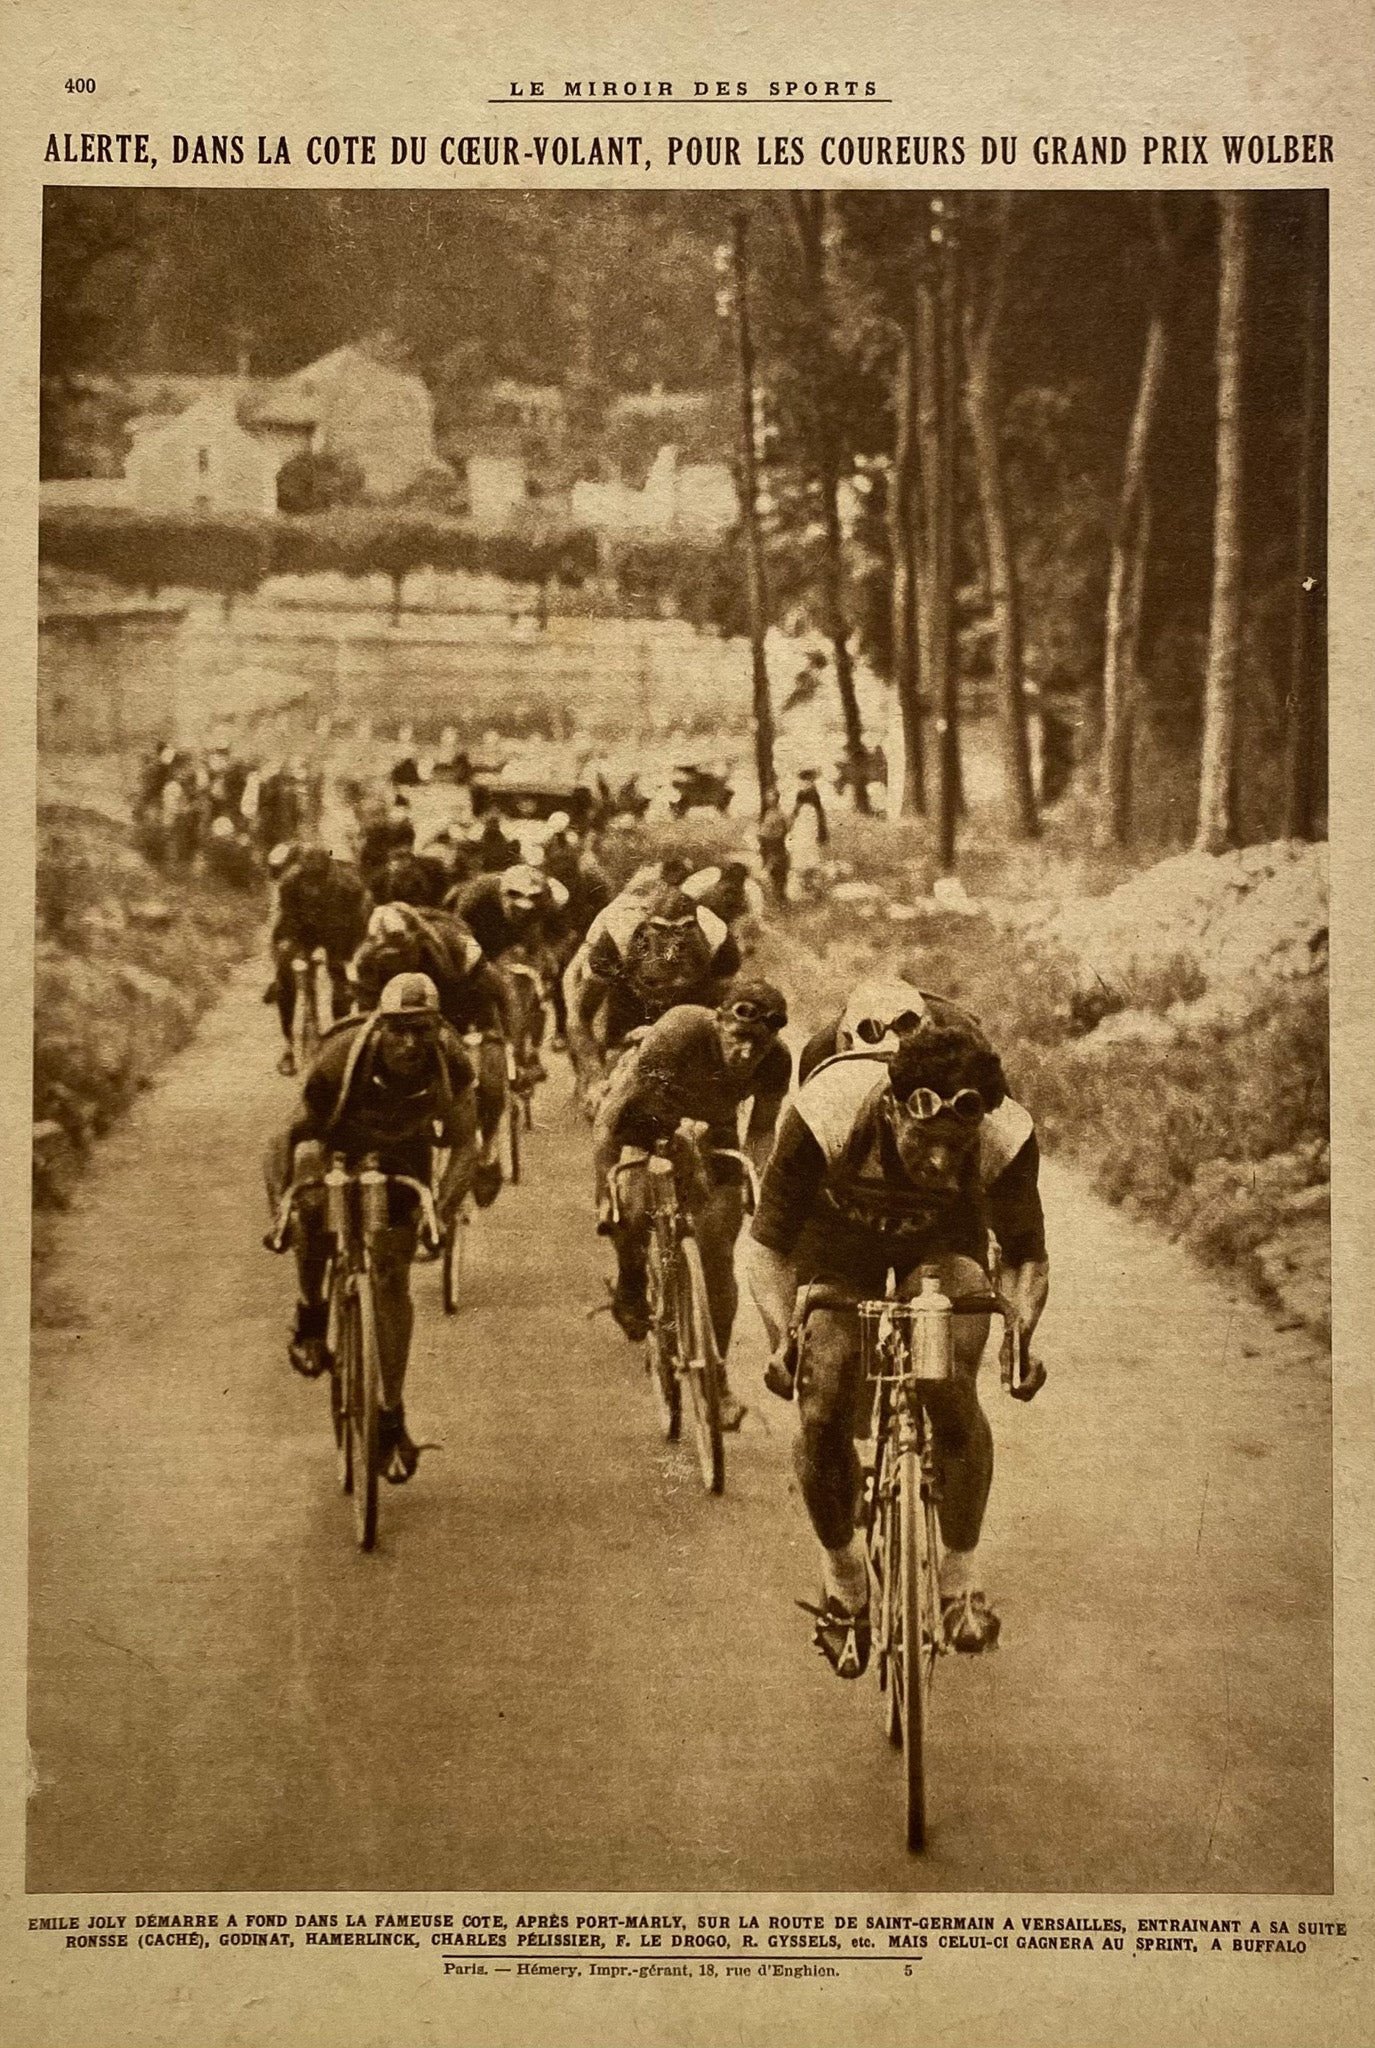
(396, 1083)
(896, 1164)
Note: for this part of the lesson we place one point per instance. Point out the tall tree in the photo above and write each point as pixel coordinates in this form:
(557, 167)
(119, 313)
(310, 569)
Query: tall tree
(1305, 757)
(1217, 770)
(809, 213)
(937, 415)
(1130, 548)
(749, 496)
(982, 325)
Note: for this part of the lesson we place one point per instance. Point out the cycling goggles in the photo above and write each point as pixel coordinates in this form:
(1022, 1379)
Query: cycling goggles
(924, 1103)
(746, 1012)
(873, 1030)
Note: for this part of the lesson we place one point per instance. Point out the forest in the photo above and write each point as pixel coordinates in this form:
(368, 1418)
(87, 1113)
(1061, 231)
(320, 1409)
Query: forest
(1052, 449)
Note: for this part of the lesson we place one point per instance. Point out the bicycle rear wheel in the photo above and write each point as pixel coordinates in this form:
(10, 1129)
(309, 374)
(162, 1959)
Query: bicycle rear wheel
(700, 1366)
(661, 1346)
(365, 1395)
(342, 1342)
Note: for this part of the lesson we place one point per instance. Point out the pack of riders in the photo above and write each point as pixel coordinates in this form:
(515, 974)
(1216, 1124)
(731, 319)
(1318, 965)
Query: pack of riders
(891, 1147)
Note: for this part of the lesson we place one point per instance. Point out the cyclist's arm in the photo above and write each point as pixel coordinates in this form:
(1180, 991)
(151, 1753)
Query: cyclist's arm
(792, 1180)
(1017, 1221)
(586, 992)
(772, 1081)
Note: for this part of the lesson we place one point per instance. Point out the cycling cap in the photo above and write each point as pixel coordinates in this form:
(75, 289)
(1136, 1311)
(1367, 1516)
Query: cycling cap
(558, 822)
(671, 906)
(390, 921)
(755, 1002)
(407, 993)
(523, 884)
(875, 1011)
(222, 828)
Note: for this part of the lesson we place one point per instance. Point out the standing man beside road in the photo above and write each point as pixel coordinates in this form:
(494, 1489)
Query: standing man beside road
(894, 1165)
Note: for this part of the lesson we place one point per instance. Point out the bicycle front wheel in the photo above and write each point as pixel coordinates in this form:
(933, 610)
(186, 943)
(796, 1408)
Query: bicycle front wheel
(513, 1120)
(701, 1366)
(919, 1622)
(884, 1541)
(305, 1030)
(365, 1394)
(343, 1346)
(454, 1261)
(661, 1346)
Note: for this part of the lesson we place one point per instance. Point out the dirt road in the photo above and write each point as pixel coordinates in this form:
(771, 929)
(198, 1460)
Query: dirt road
(566, 1666)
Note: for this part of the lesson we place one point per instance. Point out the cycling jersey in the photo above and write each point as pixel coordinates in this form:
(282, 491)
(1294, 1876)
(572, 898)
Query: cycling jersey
(836, 1199)
(627, 1007)
(352, 1105)
(479, 903)
(679, 1071)
(335, 916)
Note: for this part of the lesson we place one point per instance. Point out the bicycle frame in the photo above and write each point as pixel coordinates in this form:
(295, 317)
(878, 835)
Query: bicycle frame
(907, 1347)
(357, 1209)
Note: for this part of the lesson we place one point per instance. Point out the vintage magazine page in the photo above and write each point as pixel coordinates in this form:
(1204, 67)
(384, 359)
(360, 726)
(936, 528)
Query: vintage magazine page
(668, 720)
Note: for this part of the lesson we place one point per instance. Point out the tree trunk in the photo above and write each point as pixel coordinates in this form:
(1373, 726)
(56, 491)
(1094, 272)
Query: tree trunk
(1127, 568)
(1217, 768)
(937, 350)
(1004, 597)
(809, 218)
(908, 794)
(762, 704)
(1305, 754)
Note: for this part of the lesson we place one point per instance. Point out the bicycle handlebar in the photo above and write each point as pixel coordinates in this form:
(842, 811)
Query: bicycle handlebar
(429, 1216)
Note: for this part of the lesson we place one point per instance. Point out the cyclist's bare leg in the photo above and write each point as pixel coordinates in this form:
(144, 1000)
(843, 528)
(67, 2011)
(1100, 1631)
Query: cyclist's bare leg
(393, 1251)
(717, 1222)
(824, 1457)
(963, 1438)
(491, 1091)
(963, 1447)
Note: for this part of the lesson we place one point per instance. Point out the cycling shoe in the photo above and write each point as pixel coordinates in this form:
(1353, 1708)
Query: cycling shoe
(630, 1307)
(970, 1624)
(486, 1183)
(397, 1456)
(844, 1639)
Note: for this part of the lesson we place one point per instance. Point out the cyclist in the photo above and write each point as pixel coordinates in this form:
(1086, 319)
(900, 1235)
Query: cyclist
(734, 894)
(880, 1017)
(687, 1077)
(894, 1164)
(519, 914)
(473, 998)
(321, 901)
(493, 847)
(638, 960)
(394, 1083)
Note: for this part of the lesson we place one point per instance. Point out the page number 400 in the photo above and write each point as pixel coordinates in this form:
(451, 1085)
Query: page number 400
(81, 85)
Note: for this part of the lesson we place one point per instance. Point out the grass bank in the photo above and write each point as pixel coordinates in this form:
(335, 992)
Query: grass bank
(1169, 1034)
(126, 959)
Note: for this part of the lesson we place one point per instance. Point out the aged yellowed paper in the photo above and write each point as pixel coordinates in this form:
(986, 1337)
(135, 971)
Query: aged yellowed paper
(377, 376)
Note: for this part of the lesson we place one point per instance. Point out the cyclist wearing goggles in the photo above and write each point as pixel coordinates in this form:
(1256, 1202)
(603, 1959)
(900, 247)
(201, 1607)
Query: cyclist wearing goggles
(694, 1068)
(881, 1016)
(395, 1083)
(895, 1164)
(640, 960)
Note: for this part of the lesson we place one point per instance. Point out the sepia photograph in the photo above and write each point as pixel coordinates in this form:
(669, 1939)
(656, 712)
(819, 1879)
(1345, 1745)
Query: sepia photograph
(680, 1112)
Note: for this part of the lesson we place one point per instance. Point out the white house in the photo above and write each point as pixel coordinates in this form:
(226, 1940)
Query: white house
(201, 460)
(360, 411)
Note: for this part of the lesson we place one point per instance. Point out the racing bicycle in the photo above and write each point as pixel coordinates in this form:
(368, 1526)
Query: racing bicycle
(681, 1348)
(313, 1009)
(357, 1210)
(907, 1347)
